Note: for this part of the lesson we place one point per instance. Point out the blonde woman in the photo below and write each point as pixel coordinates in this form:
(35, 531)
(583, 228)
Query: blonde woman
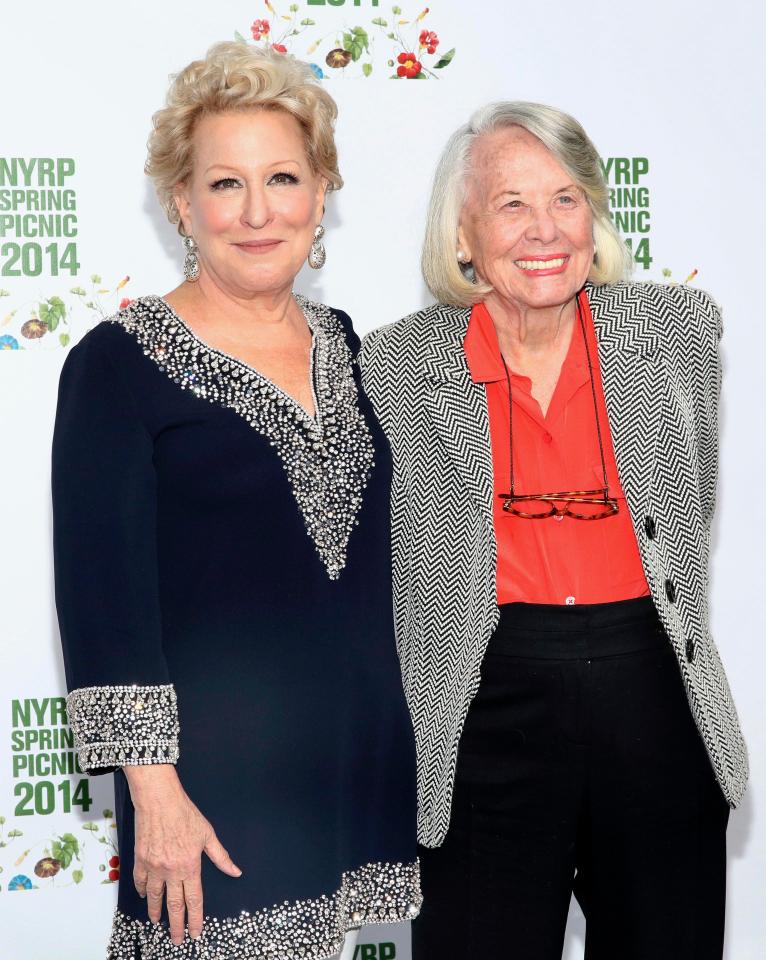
(221, 490)
(555, 435)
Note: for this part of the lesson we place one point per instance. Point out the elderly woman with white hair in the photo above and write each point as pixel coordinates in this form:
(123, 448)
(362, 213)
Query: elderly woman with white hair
(222, 554)
(555, 439)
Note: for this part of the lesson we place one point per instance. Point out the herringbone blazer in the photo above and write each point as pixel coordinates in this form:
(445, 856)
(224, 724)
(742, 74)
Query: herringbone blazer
(660, 366)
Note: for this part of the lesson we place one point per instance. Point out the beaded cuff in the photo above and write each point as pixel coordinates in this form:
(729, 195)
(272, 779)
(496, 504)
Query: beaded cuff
(124, 725)
(311, 929)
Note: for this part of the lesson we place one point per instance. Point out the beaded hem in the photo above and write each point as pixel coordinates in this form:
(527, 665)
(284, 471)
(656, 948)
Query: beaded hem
(117, 726)
(328, 458)
(311, 929)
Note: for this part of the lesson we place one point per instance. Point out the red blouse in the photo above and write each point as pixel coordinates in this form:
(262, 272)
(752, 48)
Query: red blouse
(559, 559)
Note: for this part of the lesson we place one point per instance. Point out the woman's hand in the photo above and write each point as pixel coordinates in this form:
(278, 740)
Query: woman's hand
(171, 835)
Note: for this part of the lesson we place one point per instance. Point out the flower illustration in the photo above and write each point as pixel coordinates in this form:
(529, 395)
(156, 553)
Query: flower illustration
(20, 882)
(409, 66)
(260, 28)
(125, 302)
(114, 862)
(338, 58)
(7, 342)
(114, 875)
(33, 329)
(428, 40)
(412, 50)
(47, 867)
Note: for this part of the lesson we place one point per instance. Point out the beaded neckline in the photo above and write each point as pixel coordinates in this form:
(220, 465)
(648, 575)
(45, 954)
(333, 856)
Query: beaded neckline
(327, 458)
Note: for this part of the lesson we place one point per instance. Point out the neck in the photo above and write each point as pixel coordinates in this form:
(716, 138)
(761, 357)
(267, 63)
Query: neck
(523, 331)
(239, 315)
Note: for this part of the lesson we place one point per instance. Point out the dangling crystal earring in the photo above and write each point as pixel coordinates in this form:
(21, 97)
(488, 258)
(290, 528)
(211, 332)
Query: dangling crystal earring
(317, 253)
(191, 260)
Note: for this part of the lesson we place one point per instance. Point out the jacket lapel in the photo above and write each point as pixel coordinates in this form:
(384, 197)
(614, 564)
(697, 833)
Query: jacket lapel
(458, 408)
(633, 376)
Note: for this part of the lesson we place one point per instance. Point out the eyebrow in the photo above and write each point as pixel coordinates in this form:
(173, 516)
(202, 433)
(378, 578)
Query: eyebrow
(275, 163)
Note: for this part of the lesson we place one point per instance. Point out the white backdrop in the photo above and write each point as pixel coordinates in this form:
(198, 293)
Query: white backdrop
(675, 84)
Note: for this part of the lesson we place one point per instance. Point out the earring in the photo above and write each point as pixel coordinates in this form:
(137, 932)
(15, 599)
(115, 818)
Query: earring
(317, 253)
(191, 260)
(461, 256)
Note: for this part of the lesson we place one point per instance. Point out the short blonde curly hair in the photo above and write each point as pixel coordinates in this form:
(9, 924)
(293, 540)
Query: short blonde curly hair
(236, 76)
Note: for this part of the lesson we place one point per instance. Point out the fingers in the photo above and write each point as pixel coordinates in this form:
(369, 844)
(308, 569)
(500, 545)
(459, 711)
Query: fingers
(220, 857)
(140, 877)
(155, 888)
(193, 898)
(176, 910)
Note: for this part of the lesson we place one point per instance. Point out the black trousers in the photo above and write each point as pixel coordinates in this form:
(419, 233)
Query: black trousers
(580, 770)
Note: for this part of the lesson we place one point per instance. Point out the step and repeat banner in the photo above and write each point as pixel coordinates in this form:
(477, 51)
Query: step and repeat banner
(668, 94)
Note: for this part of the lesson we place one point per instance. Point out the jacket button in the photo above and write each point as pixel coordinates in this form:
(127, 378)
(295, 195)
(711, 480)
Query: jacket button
(690, 650)
(670, 591)
(650, 527)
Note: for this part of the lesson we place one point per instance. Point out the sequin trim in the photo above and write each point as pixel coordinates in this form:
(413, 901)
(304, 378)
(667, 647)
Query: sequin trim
(328, 458)
(376, 893)
(117, 726)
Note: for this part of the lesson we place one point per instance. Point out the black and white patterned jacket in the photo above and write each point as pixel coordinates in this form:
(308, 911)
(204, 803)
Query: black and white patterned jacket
(660, 366)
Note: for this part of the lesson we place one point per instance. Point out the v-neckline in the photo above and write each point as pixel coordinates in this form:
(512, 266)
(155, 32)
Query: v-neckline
(314, 421)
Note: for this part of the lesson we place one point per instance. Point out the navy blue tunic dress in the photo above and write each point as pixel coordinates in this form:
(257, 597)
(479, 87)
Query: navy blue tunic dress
(223, 587)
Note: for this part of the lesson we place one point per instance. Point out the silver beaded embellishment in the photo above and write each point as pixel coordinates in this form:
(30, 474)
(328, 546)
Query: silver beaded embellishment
(116, 726)
(375, 893)
(328, 458)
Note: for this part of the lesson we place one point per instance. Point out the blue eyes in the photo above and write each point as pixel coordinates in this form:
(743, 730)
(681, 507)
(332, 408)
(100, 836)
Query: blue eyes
(283, 178)
(565, 200)
(224, 184)
(231, 183)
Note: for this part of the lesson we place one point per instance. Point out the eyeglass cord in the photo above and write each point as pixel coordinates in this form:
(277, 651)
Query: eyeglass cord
(595, 405)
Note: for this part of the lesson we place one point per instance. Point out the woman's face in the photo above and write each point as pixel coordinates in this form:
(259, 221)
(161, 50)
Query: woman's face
(526, 227)
(252, 201)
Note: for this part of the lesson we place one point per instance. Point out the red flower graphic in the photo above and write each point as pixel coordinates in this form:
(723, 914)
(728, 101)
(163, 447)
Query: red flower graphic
(125, 302)
(114, 875)
(409, 67)
(260, 28)
(114, 862)
(279, 47)
(429, 40)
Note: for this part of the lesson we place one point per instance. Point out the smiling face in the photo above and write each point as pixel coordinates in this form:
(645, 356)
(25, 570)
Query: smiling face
(252, 201)
(525, 226)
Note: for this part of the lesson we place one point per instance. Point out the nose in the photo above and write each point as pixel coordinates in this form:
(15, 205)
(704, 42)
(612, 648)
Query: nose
(542, 227)
(256, 211)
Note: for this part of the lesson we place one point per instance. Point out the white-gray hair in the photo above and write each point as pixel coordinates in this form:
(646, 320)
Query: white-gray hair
(570, 145)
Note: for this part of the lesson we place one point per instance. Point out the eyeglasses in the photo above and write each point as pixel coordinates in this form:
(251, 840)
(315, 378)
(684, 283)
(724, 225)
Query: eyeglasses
(578, 504)
(588, 505)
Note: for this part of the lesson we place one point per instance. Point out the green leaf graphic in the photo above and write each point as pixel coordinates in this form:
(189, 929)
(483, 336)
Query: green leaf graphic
(77, 876)
(380, 22)
(366, 69)
(446, 60)
(237, 36)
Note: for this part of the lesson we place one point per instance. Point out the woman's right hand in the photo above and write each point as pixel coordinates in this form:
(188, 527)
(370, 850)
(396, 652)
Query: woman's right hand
(171, 835)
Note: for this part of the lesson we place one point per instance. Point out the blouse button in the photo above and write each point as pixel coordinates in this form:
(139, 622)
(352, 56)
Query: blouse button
(547, 437)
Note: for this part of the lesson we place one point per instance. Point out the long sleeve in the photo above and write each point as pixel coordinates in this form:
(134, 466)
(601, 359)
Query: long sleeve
(121, 705)
(703, 317)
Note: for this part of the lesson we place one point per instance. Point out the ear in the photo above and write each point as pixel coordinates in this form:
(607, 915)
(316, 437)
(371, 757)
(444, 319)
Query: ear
(463, 244)
(183, 205)
(321, 196)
